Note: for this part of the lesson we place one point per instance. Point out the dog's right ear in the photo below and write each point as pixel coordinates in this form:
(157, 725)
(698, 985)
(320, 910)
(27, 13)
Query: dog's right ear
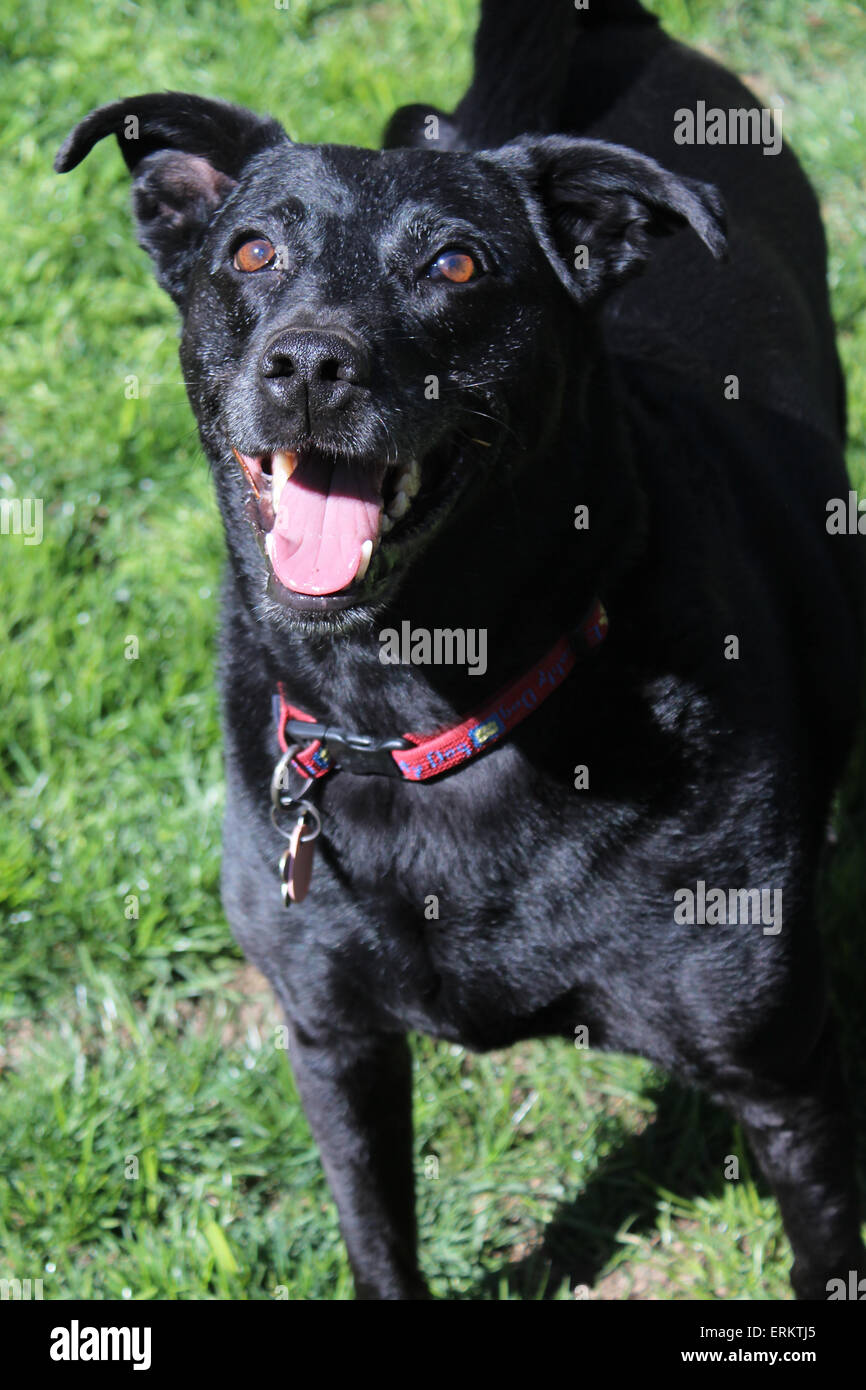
(185, 154)
(421, 127)
(608, 202)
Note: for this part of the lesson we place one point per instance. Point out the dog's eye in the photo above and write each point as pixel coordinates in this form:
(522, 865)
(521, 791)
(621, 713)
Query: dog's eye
(456, 266)
(254, 255)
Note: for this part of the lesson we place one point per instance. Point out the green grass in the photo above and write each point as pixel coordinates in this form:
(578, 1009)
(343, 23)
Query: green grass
(143, 1037)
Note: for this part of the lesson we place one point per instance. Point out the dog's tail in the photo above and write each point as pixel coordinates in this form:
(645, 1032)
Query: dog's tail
(523, 54)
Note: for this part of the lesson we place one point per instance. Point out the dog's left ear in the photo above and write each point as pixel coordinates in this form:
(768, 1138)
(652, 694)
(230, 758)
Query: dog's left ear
(185, 154)
(597, 207)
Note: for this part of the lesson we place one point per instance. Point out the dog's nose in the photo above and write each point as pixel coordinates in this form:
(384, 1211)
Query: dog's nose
(324, 365)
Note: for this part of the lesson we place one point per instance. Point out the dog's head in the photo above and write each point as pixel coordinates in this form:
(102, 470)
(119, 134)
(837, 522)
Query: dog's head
(369, 337)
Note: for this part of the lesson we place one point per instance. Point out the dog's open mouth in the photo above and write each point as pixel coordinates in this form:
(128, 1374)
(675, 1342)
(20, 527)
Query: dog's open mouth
(322, 517)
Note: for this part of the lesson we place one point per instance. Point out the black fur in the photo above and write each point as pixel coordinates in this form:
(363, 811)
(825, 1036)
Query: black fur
(707, 519)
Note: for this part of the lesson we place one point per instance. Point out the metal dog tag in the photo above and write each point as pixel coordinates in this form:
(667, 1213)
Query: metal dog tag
(296, 863)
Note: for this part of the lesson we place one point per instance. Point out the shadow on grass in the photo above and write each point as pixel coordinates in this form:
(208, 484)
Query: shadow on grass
(679, 1152)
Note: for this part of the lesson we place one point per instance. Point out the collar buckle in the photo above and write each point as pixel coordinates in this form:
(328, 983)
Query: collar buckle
(359, 753)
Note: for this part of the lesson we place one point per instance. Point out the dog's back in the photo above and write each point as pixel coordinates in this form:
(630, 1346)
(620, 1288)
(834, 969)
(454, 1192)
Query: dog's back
(612, 73)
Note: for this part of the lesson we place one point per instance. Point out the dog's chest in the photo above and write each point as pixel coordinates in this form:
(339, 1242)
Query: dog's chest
(464, 915)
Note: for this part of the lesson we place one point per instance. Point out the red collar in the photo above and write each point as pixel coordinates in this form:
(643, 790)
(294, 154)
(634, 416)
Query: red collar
(418, 757)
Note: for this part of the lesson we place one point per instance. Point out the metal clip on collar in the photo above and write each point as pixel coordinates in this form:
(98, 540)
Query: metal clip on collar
(361, 753)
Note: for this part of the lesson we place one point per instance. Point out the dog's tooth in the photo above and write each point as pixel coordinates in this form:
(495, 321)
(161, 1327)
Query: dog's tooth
(411, 479)
(288, 460)
(399, 507)
(385, 524)
(408, 479)
(366, 555)
(283, 466)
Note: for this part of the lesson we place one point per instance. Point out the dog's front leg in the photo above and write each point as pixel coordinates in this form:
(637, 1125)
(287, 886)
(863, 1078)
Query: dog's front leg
(357, 1095)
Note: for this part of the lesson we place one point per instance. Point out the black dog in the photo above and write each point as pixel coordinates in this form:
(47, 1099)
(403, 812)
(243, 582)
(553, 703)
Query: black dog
(426, 402)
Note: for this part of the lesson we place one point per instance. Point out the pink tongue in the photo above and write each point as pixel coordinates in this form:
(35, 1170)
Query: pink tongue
(326, 513)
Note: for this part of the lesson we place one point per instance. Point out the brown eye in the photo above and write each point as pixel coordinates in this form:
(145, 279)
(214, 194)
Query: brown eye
(254, 255)
(456, 266)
